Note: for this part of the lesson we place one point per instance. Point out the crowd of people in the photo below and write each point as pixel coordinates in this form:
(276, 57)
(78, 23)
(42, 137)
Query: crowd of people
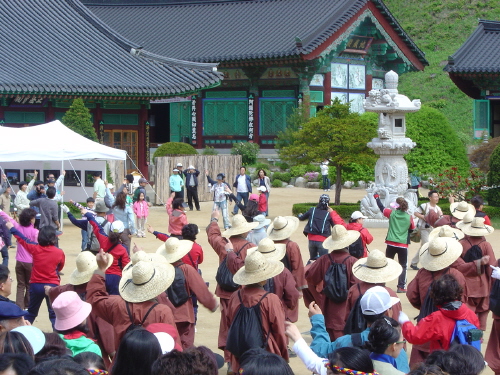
(127, 311)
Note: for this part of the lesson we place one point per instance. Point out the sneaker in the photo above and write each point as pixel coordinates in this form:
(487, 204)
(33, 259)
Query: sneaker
(401, 290)
(414, 267)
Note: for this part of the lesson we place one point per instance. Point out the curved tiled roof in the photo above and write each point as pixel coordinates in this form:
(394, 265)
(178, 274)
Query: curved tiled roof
(480, 52)
(217, 31)
(59, 47)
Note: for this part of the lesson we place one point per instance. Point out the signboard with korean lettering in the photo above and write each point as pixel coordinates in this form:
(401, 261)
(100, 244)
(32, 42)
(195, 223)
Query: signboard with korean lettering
(251, 100)
(28, 101)
(358, 44)
(193, 118)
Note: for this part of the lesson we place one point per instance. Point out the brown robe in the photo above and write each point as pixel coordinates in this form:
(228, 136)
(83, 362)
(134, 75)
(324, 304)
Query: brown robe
(218, 243)
(353, 295)
(492, 354)
(416, 291)
(113, 309)
(334, 312)
(478, 286)
(313, 292)
(273, 320)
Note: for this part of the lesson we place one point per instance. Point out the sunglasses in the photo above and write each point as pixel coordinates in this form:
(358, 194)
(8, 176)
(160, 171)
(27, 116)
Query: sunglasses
(401, 342)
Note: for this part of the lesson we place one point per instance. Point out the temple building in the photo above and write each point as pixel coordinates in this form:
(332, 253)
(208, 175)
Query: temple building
(274, 54)
(55, 51)
(475, 69)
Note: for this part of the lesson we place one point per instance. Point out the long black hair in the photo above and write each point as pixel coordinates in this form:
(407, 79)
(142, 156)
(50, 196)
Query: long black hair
(352, 358)
(261, 362)
(384, 332)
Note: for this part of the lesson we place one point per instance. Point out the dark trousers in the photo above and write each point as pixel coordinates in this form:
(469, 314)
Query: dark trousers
(37, 295)
(178, 194)
(5, 256)
(192, 194)
(23, 274)
(316, 249)
(112, 282)
(241, 197)
(402, 252)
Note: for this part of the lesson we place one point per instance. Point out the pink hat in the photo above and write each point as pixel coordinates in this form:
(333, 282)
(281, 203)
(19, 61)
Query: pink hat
(254, 197)
(70, 311)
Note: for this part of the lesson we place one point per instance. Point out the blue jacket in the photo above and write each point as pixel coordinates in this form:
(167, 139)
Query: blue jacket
(195, 176)
(249, 182)
(321, 344)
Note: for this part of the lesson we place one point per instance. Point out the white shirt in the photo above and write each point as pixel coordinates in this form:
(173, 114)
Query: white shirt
(309, 358)
(324, 169)
(100, 188)
(242, 184)
(424, 209)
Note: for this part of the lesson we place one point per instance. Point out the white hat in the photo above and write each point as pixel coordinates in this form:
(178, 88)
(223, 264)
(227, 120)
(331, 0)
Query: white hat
(439, 253)
(110, 186)
(175, 170)
(460, 209)
(257, 268)
(469, 216)
(86, 264)
(358, 215)
(377, 300)
(376, 268)
(117, 226)
(263, 222)
(239, 225)
(477, 228)
(190, 167)
(262, 188)
(282, 227)
(271, 250)
(340, 238)
(179, 164)
(174, 249)
(446, 231)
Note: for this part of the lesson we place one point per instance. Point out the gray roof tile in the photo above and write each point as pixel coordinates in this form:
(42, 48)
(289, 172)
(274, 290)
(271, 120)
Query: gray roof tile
(217, 31)
(480, 53)
(60, 47)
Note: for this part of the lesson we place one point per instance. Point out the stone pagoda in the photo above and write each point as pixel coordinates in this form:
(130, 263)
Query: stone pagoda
(391, 171)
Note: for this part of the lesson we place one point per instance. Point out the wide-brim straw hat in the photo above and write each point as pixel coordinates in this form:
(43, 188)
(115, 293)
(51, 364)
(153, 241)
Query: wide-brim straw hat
(440, 253)
(239, 225)
(446, 231)
(145, 277)
(477, 228)
(340, 238)
(282, 227)
(271, 250)
(376, 268)
(174, 249)
(460, 209)
(86, 264)
(465, 221)
(257, 268)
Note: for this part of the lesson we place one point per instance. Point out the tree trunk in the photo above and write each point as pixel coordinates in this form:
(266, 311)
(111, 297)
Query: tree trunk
(338, 185)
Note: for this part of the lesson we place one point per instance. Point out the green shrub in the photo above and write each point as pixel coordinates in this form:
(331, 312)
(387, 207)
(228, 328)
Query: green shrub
(480, 157)
(494, 178)
(174, 148)
(355, 172)
(247, 150)
(262, 166)
(283, 176)
(209, 150)
(78, 119)
(277, 183)
(300, 170)
(282, 165)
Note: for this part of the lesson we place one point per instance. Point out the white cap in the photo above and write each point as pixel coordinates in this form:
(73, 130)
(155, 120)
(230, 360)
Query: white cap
(191, 167)
(377, 300)
(176, 170)
(179, 164)
(110, 186)
(262, 188)
(166, 341)
(358, 215)
(117, 226)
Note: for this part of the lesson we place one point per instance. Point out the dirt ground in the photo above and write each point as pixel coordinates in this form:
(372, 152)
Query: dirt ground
(281, 201)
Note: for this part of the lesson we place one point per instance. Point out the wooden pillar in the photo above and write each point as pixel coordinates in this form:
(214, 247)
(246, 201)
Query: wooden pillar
(98, 125)
(327, 87)
(142, 162)
(51, 115)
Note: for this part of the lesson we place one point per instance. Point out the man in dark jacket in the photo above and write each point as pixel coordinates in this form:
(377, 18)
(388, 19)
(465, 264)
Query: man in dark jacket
(191, 174)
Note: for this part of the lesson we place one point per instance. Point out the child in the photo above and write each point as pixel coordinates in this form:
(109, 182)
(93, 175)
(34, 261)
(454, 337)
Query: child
(176, 216)
(24, 260)
(220, 196)
(262, 200)
(141, 211)
(48, 261)
(90, 207)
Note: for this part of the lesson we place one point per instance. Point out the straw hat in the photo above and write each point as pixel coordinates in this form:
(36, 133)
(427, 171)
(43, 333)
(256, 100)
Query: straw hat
(446, 231)
(86, 264)
(263, 222)
(477, 228)
(282, 227)
(340, 238)
(239, 225)
(145, 277)
(271, 250)
(174, 249)
(376, 268)
(257, 268)
(460, 209)
(465, 221)
(440, 253)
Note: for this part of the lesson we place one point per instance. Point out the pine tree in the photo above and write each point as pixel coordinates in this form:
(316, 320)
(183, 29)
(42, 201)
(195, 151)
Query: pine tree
(78, 119)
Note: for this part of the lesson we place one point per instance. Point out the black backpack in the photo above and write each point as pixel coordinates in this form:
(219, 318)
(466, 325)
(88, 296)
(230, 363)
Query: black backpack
(495, 296)
(286, 260)
(336, 281)
(224, 277)
(92, 242)
(246, 331)
(269, 286)
(428, 306)
(355, 322)
(177, 293)
(132, 325)
(356, 249)
(474, 253)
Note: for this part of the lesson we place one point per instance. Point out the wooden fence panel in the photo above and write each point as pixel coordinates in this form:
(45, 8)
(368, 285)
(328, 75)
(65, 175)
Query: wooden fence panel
(227, 164)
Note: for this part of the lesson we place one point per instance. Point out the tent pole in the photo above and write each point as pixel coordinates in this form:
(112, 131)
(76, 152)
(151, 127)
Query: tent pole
(62, 198)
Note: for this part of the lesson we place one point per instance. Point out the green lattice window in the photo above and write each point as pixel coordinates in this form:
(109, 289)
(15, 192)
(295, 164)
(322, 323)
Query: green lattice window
(120, 119)
(12, 117)
(225, 117)
(274, 113)
(180, 121)
(482, 118)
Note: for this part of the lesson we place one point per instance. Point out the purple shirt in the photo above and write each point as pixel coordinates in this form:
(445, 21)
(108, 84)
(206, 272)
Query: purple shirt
(29, 232)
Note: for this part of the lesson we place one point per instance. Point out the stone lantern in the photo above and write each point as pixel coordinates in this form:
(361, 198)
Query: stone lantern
(391, 171)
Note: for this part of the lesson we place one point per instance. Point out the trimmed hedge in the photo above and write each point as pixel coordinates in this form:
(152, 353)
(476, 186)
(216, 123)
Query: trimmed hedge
(174, 148)
(277, 184)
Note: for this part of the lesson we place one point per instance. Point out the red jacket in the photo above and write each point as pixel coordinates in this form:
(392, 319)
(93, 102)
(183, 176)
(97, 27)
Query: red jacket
(193, 258)
(366, 236)
(262, 202)
(176, 219)
(438, 327)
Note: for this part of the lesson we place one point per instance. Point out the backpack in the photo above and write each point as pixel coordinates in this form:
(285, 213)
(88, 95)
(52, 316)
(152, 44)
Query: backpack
(92, 242)
(132, 325)
(269, 286)
(286, 260)
(495, 297)
(177, 293)
(474, 252)
(355, 322)
(224, 277)
(428, 306)
(246, 331)
(466, 333)
(356, 249)
(336, 281)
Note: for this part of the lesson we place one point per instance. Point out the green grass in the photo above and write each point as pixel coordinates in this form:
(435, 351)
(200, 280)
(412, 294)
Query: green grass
(439, 28)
